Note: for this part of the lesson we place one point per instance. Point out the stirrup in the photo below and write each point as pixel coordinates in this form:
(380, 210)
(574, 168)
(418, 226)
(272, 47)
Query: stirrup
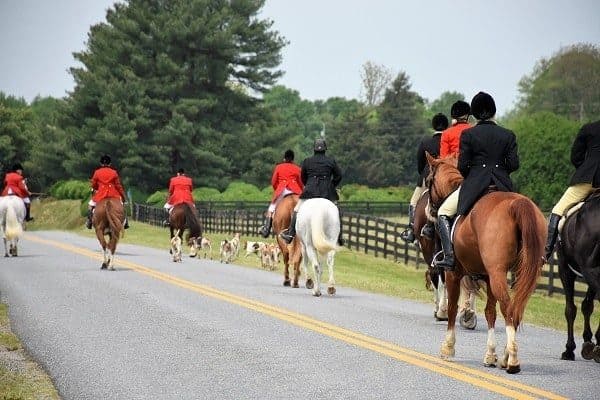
(428, 231)
(286, 237)
(408, 235)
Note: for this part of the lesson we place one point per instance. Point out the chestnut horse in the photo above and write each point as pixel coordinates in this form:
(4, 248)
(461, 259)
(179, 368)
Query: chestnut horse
(579, 255)
(435, 279)
(183, 216)
(108, 219)
(292, 252)
(503, 232)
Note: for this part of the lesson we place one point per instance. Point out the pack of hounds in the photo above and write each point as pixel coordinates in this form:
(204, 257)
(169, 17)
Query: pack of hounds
(269, 254)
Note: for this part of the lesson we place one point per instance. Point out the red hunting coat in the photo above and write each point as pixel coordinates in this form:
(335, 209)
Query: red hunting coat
(286, 175)
(180, 190)
(450, 141)
(16, 183)
(106, 183)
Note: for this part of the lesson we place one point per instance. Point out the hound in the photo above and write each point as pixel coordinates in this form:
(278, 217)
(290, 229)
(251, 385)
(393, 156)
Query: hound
(206, 246)
(226, 251)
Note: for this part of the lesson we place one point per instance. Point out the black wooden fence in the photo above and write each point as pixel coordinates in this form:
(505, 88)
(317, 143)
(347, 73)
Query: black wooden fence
(371, 234)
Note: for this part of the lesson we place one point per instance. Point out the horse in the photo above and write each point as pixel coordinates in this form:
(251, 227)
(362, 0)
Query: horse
(504, 231)
(182, 217)
(12, 215)
(107, 220)
(435, 278)
(579, 255)
(291, 253)
(318, 227)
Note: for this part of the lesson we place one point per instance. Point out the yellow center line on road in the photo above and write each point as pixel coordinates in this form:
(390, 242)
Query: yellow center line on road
(491, 382)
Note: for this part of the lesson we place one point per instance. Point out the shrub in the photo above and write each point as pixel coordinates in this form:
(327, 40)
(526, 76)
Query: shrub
(158, 198)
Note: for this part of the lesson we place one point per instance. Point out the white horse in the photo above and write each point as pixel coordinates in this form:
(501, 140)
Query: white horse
(12, 215)
(318, 227)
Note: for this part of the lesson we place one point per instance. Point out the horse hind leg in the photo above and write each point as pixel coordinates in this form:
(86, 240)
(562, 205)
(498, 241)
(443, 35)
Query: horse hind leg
(441, 312)
(330, 263)
(6, 250)
(447, 350)
(587, 308)
(490, 359)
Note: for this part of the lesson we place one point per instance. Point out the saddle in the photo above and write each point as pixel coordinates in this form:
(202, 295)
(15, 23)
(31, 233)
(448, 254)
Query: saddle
(576, 207)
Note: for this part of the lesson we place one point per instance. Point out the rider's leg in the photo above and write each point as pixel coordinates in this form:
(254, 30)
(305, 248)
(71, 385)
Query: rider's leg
(409, 235)
(445, 214)
(265, 230)
(28, 216)
(573, 195)
(289, 234)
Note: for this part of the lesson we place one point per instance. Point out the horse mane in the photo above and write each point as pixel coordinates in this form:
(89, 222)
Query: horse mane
(447, 176)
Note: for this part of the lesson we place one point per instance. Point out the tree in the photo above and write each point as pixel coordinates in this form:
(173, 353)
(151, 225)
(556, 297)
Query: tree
(443, 104)
(544, 141)
(170, 84)
(401, 128)
(15, 122)
(566, 84)
(375, 80)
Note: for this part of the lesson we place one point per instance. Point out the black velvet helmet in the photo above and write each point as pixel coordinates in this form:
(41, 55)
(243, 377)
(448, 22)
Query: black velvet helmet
(16, 167)
(439, 122)
(320, 145)
(105, 159)
(288, 155)
(459, 109)
(483, 106)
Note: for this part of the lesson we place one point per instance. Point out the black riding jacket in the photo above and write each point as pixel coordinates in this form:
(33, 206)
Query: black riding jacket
(320, 175)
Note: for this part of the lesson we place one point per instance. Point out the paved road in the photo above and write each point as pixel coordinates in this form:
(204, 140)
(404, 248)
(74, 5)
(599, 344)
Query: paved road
(204, 330)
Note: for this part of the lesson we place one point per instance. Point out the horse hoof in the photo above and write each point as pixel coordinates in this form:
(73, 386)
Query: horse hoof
(568, 356)
(446, 352)
(104, 265)
(596, 354)
(309, 284)
(587, 350)
(490, 361)
(468, 320)
(317, 294)
(513, 369)
(295, 285)
(5, 255)
(286, 282)
(331, 290)
(192, 256)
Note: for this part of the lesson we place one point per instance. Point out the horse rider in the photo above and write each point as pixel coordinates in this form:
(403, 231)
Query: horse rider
(439, 122)
(585, 156)
(285, 180)
(320, 176)
(16, 185)
(180, 191)
(450, 140)
(105, 184)
(487, 155)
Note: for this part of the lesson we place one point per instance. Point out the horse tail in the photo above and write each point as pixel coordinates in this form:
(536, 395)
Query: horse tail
(321, 242)
(13, 228)
(113, 221)
(192, 221)
(529, 264)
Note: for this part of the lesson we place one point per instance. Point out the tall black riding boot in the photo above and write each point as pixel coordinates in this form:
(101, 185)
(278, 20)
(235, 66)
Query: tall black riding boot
(340, 239)
(126, 223)
(165, 222)
(88, 223)
(552, 234)
(289, 234)
(265, 230)
(28, 216)
(444, 227)
(409, 234)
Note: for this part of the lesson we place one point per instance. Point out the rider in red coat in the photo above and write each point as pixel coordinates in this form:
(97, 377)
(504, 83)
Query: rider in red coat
(105, 184)
(180, 191)
(285, 180)
(14, 184)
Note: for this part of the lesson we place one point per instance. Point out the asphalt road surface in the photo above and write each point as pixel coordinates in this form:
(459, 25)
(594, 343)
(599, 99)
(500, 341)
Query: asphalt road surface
(154, 329)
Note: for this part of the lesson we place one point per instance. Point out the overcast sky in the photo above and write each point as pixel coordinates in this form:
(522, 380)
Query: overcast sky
(458, 45)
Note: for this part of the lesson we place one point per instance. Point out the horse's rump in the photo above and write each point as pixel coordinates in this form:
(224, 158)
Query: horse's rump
(109, 213)
(12, 215)
(318, 224)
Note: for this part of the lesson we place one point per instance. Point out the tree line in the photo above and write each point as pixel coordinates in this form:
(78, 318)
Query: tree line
(193, 84)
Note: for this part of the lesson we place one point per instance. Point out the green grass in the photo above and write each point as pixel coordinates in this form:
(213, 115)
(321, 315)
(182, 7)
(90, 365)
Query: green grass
(353, 268)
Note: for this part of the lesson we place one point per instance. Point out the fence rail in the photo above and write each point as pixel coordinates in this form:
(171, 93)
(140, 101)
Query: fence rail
(367, 233)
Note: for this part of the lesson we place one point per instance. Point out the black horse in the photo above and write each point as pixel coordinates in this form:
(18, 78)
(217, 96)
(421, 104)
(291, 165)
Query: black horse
(579, 255)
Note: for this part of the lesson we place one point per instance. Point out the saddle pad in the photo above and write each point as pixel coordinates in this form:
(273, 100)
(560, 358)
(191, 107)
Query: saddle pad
(570, 212)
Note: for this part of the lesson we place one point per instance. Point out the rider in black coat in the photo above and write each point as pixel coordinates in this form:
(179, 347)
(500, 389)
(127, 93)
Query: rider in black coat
(585, 156)
(487, 155)
(320, 175)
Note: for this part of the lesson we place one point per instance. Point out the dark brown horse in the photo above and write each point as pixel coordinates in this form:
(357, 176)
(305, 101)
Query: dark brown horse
(108, 219)
(579, 255)
(292, 252)
(503, 232)
(182, 217)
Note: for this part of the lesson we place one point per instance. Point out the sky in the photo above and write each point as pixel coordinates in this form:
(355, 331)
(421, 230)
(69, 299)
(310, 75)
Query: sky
(442, 45)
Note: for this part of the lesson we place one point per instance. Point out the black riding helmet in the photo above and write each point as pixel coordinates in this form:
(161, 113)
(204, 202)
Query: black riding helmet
(16, 167)
(320, 145)
(439, 122)
(105, 159)
(460, 109)
(483, 106)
